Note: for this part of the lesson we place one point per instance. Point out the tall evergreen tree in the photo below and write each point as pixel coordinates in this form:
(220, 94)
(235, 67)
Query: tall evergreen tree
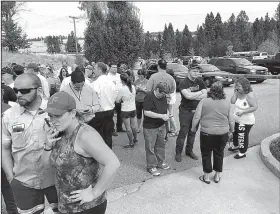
(52, 44)
(114, 36)
(71, 43)
(147, 45)
(218, 26)
(178, 38)
(171, 40)
(186, 41)
(13, 36)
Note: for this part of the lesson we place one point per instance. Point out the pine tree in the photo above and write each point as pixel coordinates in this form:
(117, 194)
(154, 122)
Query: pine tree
(147, 45)
(218, 27)
(71, 43)
(52, 44)
(178, 38)
(266, 26)
(186, 41)
(13, 36)
(171, 40)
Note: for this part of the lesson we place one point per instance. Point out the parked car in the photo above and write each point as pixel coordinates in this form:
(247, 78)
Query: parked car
(273, 64)
(239, 66)
(211, 69)
(177, 71)
(260, 55)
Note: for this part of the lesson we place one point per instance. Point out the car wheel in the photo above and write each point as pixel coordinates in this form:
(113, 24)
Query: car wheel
(259, 81)
(208, 83)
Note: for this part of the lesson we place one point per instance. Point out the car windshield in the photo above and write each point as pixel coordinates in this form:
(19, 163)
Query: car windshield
(243, 62)
(209, 68)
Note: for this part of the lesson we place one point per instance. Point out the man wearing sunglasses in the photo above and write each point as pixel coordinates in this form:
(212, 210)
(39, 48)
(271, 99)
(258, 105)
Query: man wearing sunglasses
(23, 139)
(192, 90)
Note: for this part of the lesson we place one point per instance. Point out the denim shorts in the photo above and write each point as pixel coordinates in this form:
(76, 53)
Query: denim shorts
(128, 114)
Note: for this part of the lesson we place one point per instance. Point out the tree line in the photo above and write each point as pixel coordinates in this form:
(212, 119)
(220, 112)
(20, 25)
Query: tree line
(115, 33)
(217, 38)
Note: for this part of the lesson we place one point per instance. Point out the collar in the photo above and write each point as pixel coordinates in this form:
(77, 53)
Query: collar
(42, 106)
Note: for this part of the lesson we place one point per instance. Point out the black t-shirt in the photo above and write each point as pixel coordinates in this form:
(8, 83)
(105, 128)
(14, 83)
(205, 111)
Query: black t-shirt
(194, 86)
(153, 104)
(9, 94)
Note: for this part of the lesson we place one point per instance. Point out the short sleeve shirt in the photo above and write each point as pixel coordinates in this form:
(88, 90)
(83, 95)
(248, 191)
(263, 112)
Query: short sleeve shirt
(153, 104)
(25, 130)
(194, 86)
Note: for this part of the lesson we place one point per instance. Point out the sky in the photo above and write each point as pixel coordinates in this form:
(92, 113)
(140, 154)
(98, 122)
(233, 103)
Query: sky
(52, 18)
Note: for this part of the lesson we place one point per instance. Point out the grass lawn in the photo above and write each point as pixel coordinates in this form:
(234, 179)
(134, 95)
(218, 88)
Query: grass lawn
(275, 149)
(55, 60)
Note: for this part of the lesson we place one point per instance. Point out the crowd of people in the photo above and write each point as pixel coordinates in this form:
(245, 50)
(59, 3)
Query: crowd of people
(57, 129)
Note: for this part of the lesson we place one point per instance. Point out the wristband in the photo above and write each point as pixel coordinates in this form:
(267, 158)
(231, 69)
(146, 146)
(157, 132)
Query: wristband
(45, 148)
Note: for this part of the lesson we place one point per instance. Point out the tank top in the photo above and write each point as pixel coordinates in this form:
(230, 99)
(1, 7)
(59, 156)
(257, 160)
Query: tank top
(248, 118)
(73, 172)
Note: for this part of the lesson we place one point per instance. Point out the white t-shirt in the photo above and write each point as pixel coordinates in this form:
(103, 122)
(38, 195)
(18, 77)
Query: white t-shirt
(116, 79)
(106, 92)
(127, 98)
(45, 86)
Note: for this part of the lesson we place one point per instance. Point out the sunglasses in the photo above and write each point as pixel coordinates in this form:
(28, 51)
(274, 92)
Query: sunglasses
(23, 91)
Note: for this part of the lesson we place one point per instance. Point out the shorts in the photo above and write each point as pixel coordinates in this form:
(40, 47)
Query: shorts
(172, 100)
(128, 114)
(32, 201)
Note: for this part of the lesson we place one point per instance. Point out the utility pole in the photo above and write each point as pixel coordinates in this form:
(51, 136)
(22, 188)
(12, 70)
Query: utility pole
(76, 40)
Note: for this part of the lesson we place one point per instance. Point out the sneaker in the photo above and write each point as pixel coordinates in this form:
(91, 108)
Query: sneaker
(163, 166)
(129, 146)
(178, 158)
(153, 171)
(192, 155)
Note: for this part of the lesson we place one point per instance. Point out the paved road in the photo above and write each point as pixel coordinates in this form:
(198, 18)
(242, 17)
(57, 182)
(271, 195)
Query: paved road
(133, 170)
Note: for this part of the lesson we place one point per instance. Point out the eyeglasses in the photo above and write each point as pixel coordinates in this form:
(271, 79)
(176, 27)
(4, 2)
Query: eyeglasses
(23, 91)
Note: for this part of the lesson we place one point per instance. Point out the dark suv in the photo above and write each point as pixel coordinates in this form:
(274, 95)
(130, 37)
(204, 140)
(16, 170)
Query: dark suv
(239, 66)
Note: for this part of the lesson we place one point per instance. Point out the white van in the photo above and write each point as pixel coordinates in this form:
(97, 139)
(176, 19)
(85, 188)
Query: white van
(260, 55)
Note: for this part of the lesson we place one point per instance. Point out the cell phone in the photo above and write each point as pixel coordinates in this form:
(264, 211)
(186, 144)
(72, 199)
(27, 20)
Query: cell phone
(49, 125)
(47, 122)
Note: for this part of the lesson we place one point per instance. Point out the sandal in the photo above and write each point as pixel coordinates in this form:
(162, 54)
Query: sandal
(203, 180)
(237, 156)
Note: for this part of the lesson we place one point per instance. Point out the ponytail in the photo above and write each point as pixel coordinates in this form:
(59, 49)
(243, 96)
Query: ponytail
(125, 78)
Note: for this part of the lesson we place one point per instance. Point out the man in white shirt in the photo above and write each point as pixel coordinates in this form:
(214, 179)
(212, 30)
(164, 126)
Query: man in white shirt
(107, 94)
(115, 78)
(34, 69)
(87, 102)
(67, 80)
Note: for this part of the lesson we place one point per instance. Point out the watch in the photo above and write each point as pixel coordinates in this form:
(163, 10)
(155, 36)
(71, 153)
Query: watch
(46, 149)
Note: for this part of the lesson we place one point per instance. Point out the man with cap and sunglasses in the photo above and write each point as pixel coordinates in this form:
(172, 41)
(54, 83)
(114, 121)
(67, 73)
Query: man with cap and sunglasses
(33, 68)
(23, 139)
(86, 99)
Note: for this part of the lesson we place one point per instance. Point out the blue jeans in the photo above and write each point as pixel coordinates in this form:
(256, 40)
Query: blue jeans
(185, 118)
(154, 146)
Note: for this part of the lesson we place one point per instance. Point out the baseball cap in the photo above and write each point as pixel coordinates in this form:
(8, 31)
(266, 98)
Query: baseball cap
(7, 70)
(32, 65)
(60, 103)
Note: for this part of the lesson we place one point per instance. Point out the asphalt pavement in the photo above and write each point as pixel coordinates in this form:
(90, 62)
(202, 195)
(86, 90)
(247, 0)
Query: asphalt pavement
(246, 186)
(133, 162)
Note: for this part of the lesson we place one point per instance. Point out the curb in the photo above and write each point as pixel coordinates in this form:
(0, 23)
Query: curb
(268, 159)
